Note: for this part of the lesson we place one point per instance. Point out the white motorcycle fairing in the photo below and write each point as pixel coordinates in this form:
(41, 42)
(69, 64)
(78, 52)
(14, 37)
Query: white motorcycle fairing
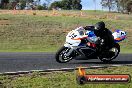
(119, 35)
(74, 37)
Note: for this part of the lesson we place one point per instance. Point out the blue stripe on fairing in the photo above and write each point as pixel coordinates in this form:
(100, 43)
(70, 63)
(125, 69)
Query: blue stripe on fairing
(118, 30)
(81, 44)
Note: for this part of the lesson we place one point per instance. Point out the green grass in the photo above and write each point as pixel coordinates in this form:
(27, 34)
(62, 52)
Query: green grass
(62, 79)
(28, 33)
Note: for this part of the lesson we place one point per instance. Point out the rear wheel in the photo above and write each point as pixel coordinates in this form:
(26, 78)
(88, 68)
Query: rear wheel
(61, 55)
(108, 56)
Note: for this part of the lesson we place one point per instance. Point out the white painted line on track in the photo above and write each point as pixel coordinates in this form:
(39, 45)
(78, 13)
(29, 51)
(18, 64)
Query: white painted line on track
(62, 69)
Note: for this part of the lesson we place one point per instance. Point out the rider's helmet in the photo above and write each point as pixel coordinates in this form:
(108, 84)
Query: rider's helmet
(100, 26)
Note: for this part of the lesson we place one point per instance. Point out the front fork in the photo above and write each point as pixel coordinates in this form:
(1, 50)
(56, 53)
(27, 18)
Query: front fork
(70, 52)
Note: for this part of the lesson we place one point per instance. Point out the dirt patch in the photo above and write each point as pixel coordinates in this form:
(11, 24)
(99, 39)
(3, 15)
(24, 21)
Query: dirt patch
(4, 22)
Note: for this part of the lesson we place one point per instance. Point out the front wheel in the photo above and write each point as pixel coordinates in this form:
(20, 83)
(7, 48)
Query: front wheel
(111, 54)
(61, 55)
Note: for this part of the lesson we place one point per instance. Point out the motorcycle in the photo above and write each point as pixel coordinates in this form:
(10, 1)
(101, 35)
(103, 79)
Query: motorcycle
(81, 43)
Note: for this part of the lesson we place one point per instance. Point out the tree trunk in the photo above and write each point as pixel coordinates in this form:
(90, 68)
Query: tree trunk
(109, 5)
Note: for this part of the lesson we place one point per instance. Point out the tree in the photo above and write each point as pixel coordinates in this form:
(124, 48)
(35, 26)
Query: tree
(37, 2)
(94, 4)
(118, 5)
(129, 6)
(23, 3)
(56, 4)
(67, 4)
(48, 2)
(39, 7)
(30, 1)
(108, 4)
(4, 3)
(123, 5)
(45, 6)
(76, 5)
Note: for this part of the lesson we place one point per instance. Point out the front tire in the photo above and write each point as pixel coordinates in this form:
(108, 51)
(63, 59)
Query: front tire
(61, 55)
(115, 50)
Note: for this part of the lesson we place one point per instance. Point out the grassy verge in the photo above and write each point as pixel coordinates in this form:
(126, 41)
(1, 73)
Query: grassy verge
(36, 33)
(62, 79)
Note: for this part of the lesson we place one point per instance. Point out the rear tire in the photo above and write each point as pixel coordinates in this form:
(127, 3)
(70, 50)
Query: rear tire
(116, 53)
(61, 57)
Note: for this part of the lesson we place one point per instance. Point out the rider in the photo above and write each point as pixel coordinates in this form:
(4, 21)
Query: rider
(104, 34)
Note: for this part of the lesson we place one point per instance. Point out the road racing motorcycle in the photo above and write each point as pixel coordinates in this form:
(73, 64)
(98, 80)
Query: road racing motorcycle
(75, 46)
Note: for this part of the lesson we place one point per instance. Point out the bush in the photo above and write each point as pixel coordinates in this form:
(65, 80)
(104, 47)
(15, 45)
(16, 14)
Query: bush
(39, 7)
(34, 13)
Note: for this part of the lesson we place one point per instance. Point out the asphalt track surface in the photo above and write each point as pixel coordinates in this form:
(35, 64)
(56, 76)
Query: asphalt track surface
(10, 62)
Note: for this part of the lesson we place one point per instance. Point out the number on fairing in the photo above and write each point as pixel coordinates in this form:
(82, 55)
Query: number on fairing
(72, 35)
(122, 33)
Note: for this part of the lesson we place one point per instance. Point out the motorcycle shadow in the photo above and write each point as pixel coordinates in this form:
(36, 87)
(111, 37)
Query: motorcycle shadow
(112, 62)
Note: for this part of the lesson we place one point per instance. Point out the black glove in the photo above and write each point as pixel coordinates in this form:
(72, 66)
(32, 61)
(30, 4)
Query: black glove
(101, 41)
